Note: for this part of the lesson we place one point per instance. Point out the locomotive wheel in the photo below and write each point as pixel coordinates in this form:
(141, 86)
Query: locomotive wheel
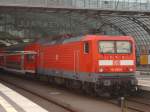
(36, 76)
(88, 88)
(68, 84)
(29, 75)
(50, 80)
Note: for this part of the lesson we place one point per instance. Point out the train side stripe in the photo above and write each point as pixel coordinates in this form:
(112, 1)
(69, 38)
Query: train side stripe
(105, 62)
(126, 62)
(110, 62)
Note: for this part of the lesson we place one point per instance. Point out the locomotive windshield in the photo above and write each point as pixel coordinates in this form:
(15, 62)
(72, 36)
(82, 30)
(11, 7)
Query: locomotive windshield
(107, 47)
(118, 47)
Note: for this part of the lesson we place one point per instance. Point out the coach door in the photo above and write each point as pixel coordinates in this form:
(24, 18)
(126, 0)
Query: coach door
(30, 62)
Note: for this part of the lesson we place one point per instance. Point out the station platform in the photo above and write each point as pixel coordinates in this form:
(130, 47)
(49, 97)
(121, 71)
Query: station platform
(11, 101)
(143, 80)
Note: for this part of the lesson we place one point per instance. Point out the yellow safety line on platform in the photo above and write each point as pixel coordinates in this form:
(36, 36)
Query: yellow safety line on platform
(8, 107)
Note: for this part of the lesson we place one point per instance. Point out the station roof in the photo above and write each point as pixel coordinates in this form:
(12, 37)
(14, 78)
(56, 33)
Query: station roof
(27, 20)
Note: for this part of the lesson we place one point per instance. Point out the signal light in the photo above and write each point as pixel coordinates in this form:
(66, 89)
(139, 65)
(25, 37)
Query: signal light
(130, 69)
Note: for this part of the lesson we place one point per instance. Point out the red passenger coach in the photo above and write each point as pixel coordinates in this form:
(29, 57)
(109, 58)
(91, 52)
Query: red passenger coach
(20, 58)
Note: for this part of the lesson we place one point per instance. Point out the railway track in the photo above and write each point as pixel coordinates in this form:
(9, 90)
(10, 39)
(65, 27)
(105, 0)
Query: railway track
(90, 100)
(135, 104)
(59, 104)
(139, 104)
(132, 104)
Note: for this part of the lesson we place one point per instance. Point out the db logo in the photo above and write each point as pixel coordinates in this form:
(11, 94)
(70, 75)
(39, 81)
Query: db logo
(116, 62)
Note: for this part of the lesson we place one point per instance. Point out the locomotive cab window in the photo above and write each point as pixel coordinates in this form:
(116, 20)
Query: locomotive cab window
(86, 47)
(107, 47)
(123, 47)
(117, 47)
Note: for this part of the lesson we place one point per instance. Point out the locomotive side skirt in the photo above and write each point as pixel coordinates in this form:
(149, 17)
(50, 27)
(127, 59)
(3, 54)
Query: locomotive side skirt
(91, 77)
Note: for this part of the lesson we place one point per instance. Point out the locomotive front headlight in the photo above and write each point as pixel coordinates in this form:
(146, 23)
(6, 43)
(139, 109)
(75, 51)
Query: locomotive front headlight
(101, 70)
(107, 82)
(131, 69)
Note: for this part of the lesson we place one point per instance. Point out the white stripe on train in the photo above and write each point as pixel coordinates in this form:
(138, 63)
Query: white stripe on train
(111, 62)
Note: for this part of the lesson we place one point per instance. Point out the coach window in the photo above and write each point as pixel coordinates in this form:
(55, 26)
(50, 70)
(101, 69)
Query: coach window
(30, 57)
(86, 47)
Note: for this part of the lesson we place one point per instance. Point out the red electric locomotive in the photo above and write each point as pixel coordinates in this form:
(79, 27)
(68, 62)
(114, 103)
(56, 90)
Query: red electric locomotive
(99, 62)
(92, 62)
